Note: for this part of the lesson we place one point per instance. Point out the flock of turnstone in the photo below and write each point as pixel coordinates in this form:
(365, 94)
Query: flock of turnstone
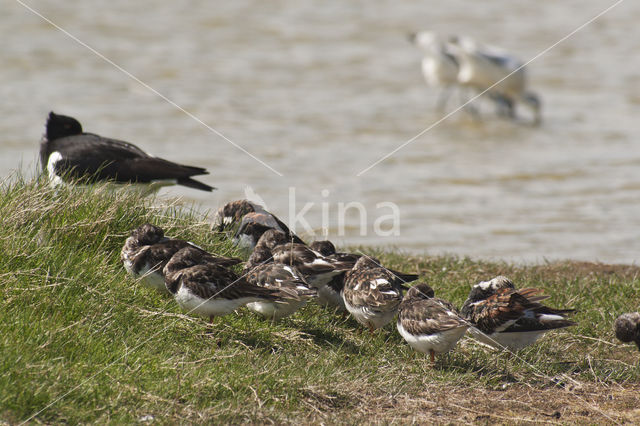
(282, 273)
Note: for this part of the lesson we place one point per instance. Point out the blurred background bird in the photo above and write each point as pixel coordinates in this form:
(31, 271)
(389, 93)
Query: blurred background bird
(499, 73)
(457, 62)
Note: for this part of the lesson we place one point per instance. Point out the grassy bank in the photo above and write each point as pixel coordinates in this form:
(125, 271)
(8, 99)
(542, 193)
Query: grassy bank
(83, 342)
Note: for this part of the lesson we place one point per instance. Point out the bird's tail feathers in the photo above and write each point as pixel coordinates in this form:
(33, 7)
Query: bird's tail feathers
(192, 183)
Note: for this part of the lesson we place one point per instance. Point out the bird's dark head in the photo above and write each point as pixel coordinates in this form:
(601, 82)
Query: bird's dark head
(248, 234)
(272, 238)
(420, 291)
(185, 258)
(59, 126)
(232, 213)
(252, 227)
(325, 248)
(182, 259)
(367, 262)
(148, 234)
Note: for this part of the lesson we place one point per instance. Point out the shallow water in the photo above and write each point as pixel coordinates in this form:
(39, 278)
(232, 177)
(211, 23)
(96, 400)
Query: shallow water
(321, 90)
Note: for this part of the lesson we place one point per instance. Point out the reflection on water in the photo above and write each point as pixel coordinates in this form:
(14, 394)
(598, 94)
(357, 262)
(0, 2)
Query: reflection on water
(320, 91)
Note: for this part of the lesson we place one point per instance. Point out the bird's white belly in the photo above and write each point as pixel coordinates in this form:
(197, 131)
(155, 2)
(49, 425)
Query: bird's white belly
(152, 278)
(208, 307)
(438, 72)
(369, 317)
(276, 310)
(439, 342)
(328, 297)
(512, 341)
(319, 281)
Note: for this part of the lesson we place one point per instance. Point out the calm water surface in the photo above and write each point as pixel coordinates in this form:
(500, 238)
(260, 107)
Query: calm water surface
(321, 90)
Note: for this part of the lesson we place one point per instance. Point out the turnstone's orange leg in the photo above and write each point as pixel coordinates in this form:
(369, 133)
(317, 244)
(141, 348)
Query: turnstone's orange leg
(371, 329)
(433, 356)
(211, 317)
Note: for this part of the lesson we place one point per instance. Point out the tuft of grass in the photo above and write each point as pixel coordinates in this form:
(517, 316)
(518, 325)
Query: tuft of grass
(83, 342)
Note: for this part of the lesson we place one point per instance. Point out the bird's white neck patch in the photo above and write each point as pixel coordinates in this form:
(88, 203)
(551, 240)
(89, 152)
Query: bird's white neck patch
(54, 157)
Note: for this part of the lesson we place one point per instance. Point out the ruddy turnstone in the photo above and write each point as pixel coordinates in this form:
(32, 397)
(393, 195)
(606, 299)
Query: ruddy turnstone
(330, 295)
(274, 247)
(209, 289)
(146, 252)
(262, 251)
(232, 213)
(67, 152)
(316, 268)
(627, 328)
(429, 325)
(252, 227)
(324, 247)
(503, 317)
(327, 249)
(287, 280)
(372, 293)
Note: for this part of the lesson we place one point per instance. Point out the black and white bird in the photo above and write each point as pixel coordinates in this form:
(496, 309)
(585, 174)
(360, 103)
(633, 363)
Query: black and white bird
(501, 74)
(66, 152)
(146, 252)
(372, 293)
(441, 68)
(627, 328)
(209, 289)
(254, 224)
(503, 317)
(427, 324)
(287, 280)
(331, 294)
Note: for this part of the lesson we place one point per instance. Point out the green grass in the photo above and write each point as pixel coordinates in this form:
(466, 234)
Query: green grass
(81, 341)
